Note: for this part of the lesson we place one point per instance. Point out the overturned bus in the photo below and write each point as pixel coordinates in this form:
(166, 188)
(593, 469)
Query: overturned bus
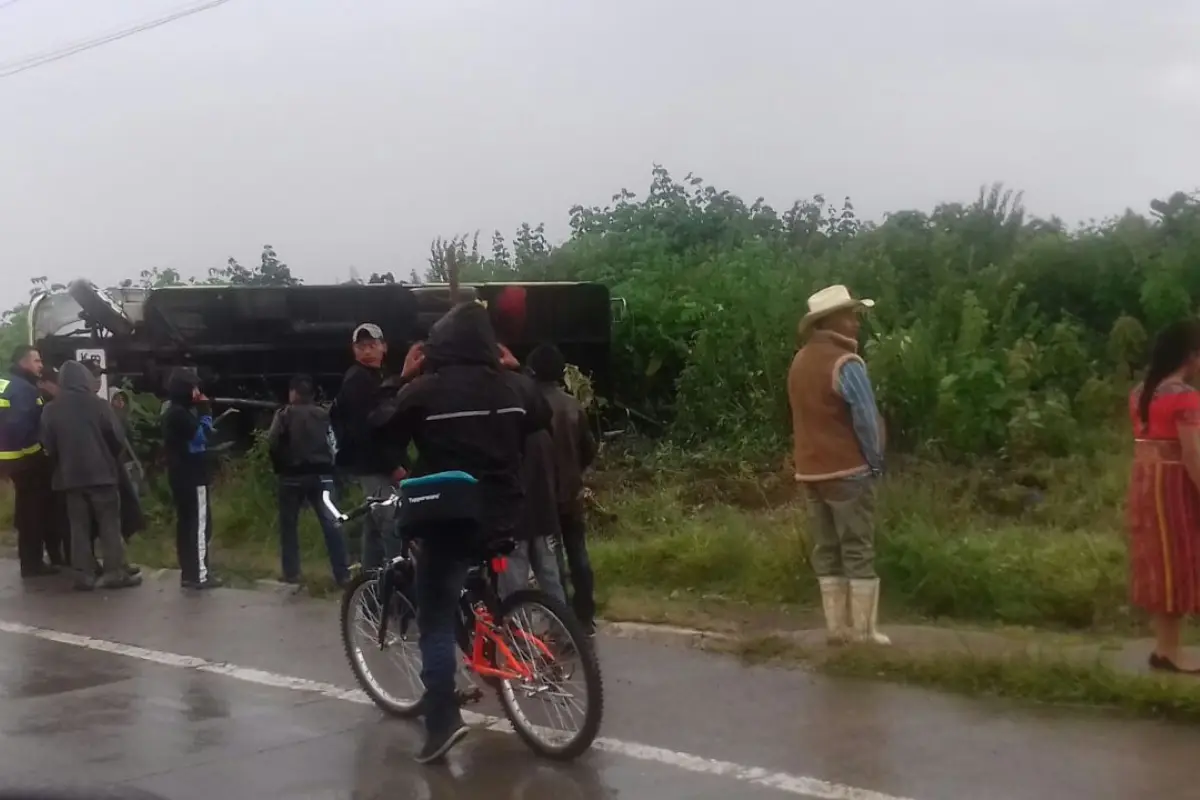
(248, 341)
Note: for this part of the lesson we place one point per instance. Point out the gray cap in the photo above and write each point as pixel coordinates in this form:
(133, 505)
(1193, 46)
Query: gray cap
(368, 330)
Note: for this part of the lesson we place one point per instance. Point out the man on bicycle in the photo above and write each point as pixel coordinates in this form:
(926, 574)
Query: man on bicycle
(464, 412)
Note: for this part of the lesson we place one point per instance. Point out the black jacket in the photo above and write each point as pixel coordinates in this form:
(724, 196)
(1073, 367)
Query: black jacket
(359, 450)
(466, 412)
(299, 441)
(81, 434)
(186, 428)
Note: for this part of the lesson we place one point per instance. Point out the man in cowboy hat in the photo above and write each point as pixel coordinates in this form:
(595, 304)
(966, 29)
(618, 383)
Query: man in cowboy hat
(838, 456)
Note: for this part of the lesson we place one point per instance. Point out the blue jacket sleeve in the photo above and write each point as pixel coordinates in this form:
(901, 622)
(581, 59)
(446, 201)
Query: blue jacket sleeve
(855, 388)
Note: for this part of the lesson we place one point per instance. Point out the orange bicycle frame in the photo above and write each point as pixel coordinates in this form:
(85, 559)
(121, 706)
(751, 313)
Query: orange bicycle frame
(505, 666)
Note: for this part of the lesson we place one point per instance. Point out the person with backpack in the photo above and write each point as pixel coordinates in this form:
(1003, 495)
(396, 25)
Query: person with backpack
(301, 445)
(360, 451)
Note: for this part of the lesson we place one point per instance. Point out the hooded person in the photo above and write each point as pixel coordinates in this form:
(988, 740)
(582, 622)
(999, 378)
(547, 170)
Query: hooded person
(467, 413)
(81, 436)
(186, 424)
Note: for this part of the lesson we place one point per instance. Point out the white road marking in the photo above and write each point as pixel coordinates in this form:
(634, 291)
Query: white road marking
(780, 781)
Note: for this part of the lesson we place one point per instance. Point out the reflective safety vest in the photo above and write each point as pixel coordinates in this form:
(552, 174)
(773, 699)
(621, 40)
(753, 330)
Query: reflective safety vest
(20, 418)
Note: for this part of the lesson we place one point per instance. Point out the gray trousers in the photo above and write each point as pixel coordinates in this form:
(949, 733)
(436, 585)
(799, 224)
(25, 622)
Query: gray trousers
(536, 555)
(100, 506)
(379, 526)
(841, 521)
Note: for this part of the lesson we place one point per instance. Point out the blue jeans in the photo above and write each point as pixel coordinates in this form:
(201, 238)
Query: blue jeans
(441, 573)
(294, 492)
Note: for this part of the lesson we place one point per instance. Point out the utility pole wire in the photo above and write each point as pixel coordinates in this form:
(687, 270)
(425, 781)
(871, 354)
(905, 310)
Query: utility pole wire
(21, 65)
(9, 3)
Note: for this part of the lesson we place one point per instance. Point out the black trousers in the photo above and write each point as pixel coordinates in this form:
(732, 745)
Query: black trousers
(583, 581)
(193, 530)
(34, 510)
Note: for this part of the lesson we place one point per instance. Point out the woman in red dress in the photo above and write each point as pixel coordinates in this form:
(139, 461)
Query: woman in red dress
(1164, 492)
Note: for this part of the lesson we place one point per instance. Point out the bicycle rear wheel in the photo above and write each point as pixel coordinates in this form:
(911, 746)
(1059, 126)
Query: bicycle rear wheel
(562, 680)
(398, 659)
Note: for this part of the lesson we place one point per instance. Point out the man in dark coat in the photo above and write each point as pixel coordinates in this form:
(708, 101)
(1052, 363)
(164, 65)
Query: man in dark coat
(301, 449)
(539, 523)
(465, 413)
(80, 435)
(574, 450)
(22, 459)
(372, 461)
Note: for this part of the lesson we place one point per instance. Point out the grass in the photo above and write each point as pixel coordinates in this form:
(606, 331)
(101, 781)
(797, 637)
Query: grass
(1040, 546)
(724, 547)
(1051, 679)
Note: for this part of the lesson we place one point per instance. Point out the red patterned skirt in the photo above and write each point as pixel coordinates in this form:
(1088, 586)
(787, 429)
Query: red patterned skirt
(1163, 515)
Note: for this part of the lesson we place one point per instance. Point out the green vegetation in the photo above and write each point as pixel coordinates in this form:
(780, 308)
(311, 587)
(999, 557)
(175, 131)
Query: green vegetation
(1002, 348)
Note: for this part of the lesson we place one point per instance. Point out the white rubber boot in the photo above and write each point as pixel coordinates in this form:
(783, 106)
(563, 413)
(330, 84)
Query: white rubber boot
(864, 612)
(835, 600)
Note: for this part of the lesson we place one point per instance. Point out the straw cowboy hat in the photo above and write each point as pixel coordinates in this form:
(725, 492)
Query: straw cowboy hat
(829, 301)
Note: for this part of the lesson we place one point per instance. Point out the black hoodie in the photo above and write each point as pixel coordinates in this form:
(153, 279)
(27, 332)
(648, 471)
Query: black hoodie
(186, 427)
(466, 412)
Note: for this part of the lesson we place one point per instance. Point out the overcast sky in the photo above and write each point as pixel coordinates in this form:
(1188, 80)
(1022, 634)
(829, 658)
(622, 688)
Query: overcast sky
(353, 132)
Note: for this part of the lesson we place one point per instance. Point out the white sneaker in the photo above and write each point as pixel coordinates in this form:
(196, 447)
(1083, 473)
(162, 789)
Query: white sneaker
(864, 612)
(835, 600)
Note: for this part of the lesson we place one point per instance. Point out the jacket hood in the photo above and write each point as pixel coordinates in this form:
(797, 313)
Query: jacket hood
(463, 336)
(75, 377)
(180, 386)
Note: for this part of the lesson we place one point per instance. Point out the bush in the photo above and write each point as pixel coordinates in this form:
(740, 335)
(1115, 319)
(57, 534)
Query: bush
(995, 333)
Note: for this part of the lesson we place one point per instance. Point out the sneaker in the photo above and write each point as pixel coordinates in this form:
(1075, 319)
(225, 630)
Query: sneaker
(121, 581)
(438, 744)
(211, 583)
(130, 569)
(291, 580)
(39, 570)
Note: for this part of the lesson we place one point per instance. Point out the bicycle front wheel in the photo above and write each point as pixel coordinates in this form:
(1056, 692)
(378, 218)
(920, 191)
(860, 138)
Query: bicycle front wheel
(389, 672)
(557, 703)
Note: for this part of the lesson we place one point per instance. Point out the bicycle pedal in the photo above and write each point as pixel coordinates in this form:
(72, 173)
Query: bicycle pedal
(469, 696)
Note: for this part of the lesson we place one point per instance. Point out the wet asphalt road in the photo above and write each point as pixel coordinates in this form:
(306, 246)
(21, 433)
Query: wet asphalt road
(257, 713)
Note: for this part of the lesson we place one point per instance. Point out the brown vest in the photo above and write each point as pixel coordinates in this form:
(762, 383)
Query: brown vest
(825, 446)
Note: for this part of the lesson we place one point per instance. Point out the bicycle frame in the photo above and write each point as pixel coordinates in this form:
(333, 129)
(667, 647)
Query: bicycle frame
(473, 606)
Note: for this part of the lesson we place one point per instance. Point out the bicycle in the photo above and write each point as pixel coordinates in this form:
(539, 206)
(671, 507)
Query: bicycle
(499, 644)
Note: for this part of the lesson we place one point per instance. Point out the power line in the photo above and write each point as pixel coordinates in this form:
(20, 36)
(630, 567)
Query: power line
(49, 56)
(8, 3)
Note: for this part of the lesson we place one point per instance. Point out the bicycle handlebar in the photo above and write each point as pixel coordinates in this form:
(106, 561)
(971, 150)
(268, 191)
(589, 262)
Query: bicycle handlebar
(390, 498)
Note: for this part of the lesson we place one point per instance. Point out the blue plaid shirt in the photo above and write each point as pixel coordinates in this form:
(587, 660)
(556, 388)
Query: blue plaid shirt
(855, 388)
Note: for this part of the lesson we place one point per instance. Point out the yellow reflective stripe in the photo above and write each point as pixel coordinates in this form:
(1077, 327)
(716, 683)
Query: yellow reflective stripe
(39, 402)
(4, 402)
(3, 384)
(13, 455)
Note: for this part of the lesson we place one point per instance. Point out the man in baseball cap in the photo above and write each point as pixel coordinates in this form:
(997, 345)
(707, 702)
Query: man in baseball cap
(359, 451)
